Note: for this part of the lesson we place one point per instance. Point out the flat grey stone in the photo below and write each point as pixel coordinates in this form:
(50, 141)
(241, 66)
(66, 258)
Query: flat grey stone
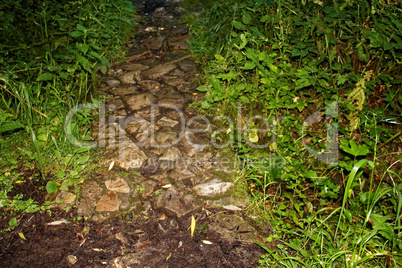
(179, 42)
(139, 101)
(180, 29)
(113, 82)
(167, 122)
(173, 203)
(149, 113)
(166, 136)
(84, 209)
(118, 185)
(125, 90)
(158, 71)
(134, 67)
(137, 125)
(234, 228)
(117, 103)
(170, 102)
(187, 65)
(63, 199)
(128, 78)
(150, 85)
(154, 42)
(193, 144)
(108, 203)
(91, 192)
(148, 187)
(171, 154)
(136, 54)
(212, 188)
(173, 80)
(127, 156)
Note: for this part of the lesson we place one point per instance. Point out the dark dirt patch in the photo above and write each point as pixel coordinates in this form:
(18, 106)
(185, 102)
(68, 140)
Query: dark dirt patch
(143, 242)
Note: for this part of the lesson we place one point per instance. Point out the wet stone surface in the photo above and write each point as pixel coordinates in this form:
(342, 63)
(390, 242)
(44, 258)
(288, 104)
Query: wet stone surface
(160, 137)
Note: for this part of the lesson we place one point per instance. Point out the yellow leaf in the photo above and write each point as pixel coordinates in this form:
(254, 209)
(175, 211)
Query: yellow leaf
(22, 236)
(192, 225)
(253, 137)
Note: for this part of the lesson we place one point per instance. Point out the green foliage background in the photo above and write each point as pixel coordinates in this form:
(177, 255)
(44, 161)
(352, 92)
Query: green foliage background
(51, 53)
(274, 64)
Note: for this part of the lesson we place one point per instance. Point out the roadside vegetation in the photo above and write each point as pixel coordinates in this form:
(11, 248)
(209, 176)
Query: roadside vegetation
(311, 91)
(51, 53)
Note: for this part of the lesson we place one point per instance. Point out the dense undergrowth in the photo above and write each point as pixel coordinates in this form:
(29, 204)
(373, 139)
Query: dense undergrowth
(50, 55)
(309, 93)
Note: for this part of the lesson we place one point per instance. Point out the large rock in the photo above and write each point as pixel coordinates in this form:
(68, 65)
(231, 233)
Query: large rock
(171, 154)
(134, 67)
(150, 85)
(158, 71)
(108, 203)
(154, 42)
(149, 113)
(175, 204)
(166, 137)
(179, 42)
(212, 188)
(172, 102)
(136, 54)
(139, 101)
(167, 122)
(118, 185)
(128, 78)
(187, 65)
(125, 90)
(91, 191)
(127, 156)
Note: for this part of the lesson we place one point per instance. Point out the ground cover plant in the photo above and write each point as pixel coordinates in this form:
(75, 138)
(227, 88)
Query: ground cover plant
(50, 55)
(311, 91)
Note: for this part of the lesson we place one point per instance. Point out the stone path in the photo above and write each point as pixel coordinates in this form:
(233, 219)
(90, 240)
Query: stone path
(158, 153)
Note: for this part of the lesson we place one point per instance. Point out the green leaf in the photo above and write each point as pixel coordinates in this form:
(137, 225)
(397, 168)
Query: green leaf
(45, 77)
(80, 27)
(273, 68)
(352, 148)
(82, 160)
(203, 88)
(82, 150)
(76, 34)
(13, 222)
(238, 25)
(244, 99)
(42, 137)
(205, 105)
(348, 215)
(83, 48)
(388, 46)
(51, 187)
(246, 18)
(9, 126)
(95, 55)
(266, 18)
(282, 207)
(60, 174)
(249, 65)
